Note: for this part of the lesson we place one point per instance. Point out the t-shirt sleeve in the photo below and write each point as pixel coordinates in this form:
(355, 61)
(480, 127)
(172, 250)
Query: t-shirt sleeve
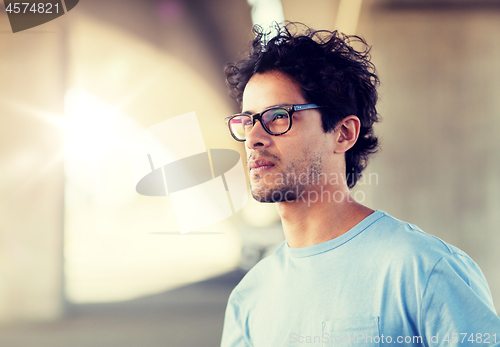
(457, 309)
(233, 333)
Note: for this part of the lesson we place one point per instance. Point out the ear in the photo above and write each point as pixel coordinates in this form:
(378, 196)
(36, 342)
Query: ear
(346, 133)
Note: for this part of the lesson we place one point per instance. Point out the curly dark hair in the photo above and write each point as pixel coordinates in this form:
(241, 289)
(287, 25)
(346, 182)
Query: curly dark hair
(330, 72)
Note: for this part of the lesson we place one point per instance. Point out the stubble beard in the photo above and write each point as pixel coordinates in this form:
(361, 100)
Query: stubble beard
(296, 177)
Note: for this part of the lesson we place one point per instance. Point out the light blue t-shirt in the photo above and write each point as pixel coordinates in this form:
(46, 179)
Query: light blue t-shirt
(384, 282)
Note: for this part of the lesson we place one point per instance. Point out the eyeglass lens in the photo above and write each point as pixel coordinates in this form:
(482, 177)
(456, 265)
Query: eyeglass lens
(275, 120)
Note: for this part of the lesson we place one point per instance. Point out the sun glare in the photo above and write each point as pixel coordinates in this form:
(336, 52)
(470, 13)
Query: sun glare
(93, 128)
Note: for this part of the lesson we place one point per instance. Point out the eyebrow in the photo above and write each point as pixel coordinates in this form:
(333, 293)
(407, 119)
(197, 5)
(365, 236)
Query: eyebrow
(267, 108)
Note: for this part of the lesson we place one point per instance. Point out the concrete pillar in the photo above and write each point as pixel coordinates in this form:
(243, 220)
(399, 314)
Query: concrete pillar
(31, 171)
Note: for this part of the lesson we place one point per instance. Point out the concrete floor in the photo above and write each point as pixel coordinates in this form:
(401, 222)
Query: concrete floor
(190, 316)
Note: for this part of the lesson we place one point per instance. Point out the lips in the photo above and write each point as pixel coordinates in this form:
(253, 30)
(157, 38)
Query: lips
(260, 165)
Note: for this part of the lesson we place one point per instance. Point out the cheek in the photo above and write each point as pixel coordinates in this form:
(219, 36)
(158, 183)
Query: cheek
(309, 142)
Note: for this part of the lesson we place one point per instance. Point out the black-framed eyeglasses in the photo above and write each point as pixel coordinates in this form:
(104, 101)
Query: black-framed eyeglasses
(276, 120)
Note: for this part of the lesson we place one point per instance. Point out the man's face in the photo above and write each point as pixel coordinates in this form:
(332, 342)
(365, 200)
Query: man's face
(282, 167)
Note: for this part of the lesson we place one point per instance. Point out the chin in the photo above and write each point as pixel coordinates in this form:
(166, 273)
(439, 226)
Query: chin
(274, 194)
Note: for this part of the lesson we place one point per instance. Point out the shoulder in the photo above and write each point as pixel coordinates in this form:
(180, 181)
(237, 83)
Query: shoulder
(408, 240)
(424, 262)
(404, 250)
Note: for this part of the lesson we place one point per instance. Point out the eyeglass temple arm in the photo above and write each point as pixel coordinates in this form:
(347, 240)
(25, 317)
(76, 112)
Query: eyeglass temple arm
(305, 107)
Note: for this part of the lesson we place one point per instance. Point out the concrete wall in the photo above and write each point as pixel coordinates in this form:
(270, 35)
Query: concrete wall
(39, 65)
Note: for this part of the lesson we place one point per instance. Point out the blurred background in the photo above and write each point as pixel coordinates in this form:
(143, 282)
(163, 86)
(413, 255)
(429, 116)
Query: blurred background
(86, 261)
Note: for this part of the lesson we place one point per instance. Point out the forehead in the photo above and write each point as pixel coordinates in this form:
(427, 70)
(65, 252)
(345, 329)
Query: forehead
(271, 88)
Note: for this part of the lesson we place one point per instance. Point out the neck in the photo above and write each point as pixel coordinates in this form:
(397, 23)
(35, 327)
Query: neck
(319, 218)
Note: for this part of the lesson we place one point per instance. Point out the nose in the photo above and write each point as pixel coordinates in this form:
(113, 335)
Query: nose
(257, 137)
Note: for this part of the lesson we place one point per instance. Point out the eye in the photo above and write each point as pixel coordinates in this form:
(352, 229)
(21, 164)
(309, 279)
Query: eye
(275, 115)
(246, 121)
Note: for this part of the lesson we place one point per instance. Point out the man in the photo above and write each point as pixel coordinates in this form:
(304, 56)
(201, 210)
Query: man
(346, 275)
